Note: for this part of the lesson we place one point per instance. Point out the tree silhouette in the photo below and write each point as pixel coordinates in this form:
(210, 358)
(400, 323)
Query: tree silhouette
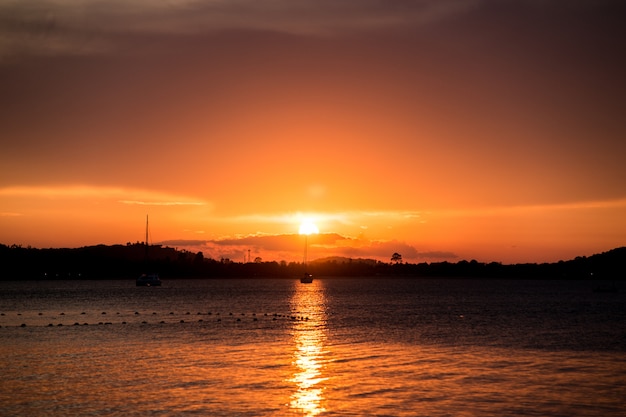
(396, 258)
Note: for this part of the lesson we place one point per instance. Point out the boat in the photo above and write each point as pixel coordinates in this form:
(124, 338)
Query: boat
(306, 278)
(150, 279)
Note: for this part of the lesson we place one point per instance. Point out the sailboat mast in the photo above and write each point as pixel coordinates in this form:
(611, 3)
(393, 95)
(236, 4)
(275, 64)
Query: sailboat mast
(305, 250)
(306, 278)
(146, 230)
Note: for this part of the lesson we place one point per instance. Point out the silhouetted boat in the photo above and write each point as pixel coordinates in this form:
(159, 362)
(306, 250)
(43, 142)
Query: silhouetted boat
(148, 279)
(306, 278)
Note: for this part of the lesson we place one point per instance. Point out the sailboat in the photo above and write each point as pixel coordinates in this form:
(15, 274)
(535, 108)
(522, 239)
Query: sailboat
(306, 277)
(150, 279)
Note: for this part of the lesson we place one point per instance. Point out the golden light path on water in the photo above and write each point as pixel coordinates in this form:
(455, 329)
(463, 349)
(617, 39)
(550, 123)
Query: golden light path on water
(309, 336)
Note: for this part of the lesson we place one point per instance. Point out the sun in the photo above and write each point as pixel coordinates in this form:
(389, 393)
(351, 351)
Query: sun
(307, 227)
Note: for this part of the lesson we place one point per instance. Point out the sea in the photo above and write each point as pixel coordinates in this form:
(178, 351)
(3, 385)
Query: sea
(335, 347)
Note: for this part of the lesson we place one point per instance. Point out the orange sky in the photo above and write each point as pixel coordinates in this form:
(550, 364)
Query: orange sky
(441, 130)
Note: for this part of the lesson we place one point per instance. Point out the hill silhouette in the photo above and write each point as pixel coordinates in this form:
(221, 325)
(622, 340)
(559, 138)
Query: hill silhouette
(128, 261)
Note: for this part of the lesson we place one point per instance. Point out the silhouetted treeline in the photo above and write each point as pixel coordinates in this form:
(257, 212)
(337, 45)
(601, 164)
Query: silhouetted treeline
(128, 261)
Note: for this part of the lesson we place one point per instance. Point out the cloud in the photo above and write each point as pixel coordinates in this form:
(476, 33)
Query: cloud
(504, 210)
(59, 191)
(284, 242)
(382, 250)
(298, 16)
(289, 247)
(162, 203)
(341, 217)
(78, 27)
(183, 242)
(118, 194)
(47, 28)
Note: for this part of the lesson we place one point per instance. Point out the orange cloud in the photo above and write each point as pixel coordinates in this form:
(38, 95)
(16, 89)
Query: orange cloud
(289, 247)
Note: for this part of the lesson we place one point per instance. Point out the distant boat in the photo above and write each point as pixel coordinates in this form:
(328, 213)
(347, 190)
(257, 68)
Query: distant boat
(148, 279)
(306, 278)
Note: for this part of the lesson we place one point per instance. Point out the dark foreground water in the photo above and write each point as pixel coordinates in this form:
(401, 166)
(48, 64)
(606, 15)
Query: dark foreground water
(346, 347)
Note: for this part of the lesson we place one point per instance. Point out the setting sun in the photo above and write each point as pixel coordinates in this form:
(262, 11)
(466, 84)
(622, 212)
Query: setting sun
(307, 227)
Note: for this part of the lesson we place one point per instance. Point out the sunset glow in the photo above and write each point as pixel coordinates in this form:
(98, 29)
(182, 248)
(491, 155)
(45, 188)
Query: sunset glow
(440, 130)
(309, 360)
(307, 227)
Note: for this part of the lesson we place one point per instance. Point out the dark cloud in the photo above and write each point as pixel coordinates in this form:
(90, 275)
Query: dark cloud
(78, 27)
(281, 247)
(281, 242)
(183, 242)
(384, 250)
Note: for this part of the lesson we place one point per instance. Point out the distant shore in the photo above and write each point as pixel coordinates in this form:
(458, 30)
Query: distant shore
(128, 261)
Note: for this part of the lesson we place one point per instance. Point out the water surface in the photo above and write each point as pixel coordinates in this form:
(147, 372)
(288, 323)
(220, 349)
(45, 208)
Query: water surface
(334, 347)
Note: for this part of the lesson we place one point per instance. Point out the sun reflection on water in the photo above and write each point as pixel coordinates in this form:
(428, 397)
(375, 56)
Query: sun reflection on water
(309, 334)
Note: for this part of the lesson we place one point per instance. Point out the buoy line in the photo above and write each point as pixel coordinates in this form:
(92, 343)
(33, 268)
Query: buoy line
(128, 318)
